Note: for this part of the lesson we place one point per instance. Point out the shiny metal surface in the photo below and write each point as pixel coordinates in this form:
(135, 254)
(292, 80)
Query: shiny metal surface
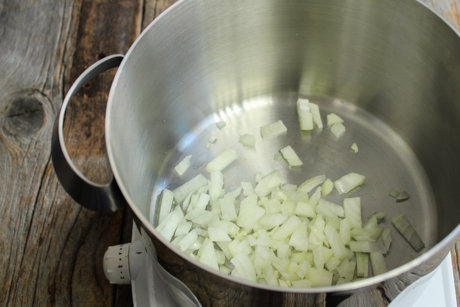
(97, 197)
(390, 68)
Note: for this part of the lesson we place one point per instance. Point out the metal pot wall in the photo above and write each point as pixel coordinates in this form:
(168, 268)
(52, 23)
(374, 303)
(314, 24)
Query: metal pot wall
(390, 68)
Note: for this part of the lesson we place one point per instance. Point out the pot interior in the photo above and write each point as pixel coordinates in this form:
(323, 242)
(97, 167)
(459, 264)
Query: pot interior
(390, 69)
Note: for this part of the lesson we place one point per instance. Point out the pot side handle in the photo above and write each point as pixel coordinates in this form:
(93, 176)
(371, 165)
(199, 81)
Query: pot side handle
(97, 197)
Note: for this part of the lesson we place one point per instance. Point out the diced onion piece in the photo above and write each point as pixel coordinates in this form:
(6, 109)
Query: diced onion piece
(216, 184)
(352, 211)
(407, 230)
(221, 125)
(248, 140)
(212, 139)
(305, 115)
(402, 197)
(319, 277)
(208, 255)
(326, 208)
(188, 240)
(169, 224)
(354, 148)
(291, 157)
(250, 212)
(183, 165)
(305, 209)
(335, 241)
(167, 198)
(299, 238)
(190, 186)
(362, 265)
(203, 201)
(327, 187)
(248, 189)
(379, 266)
(234, 194)
(338, 129)
(316, 196)
(366, 247)
(224, 269)
(244, 267)
(311, 183)
(272, 129)
(314, 109)
(345, 226)
(208, 146)
(268, 184)
(332, 119)
(183, 228)
(287, 228)
(348, 182)
(272, 220)
(222, 161)
(218, 234)
(386, 237)
(258, 177)
(394, 193)
(378, 215)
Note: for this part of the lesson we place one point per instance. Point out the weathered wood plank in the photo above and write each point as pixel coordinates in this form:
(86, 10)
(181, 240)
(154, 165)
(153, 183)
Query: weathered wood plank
(54, 247)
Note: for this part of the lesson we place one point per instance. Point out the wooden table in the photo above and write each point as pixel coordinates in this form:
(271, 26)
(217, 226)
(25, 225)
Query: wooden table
(52, 248)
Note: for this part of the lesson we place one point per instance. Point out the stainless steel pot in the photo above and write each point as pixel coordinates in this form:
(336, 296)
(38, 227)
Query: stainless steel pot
(390, 68)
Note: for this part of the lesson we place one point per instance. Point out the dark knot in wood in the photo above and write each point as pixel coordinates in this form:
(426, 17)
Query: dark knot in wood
(24, 116)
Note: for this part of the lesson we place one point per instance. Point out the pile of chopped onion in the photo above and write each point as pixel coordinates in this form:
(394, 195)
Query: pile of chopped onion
(278, 233)
(274, 233)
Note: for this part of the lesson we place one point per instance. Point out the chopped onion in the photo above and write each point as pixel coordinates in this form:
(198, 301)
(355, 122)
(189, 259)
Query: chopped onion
(222, 161)
(333, 119)
(312, 183)
(272, 129)
(402, 197)
(362, 265)
(248, 189)
(212, 139)
(305, 115)
(248, 140)
(216, 184)
(208, 255)
(352, 211)
(386, 237)
(348, 182)
(354, 148)
(314, 109)
(190, 186)
(221, 125)
(327, 187)
(166, 202)
(183, 165)
(268, 184)
(291, 157)
(338, 129)
(403, 225)
(169, 224)
(277, 234)
(378, 263)
(394, 193)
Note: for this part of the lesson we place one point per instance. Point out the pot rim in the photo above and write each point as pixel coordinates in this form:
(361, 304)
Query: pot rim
(434, 251)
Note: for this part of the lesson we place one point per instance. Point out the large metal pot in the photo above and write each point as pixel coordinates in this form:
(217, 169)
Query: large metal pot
(391, 68)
